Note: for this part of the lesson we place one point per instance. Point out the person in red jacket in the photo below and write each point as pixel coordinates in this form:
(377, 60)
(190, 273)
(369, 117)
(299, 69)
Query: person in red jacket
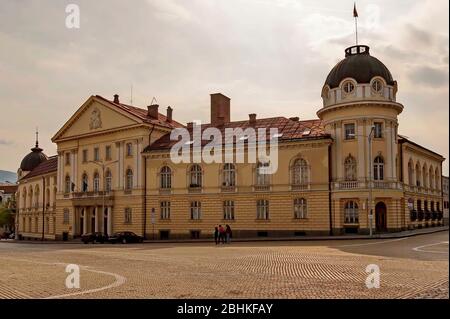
(222, 234)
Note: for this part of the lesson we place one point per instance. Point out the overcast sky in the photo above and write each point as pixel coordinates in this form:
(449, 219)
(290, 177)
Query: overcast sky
(271, 57)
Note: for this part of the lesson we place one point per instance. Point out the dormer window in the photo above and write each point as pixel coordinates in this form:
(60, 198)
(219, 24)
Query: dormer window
(348, 87)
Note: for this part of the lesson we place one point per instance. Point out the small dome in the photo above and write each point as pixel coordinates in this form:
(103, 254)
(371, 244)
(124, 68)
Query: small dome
(359, 65)
(33, 159)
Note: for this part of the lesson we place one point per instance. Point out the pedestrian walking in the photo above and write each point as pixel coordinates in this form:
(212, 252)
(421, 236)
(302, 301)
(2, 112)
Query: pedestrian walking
(228, 233)
(216, 235)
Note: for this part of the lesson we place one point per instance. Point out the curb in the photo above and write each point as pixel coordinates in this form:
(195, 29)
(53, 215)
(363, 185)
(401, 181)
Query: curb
(404, 234)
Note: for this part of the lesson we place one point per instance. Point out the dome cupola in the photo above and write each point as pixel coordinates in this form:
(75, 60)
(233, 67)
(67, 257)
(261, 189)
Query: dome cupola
(359, 76)
(33, 159)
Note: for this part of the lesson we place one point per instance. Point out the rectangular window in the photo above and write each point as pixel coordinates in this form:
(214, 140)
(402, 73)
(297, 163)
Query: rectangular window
(350, 131)
(128, 215)
(129, 148)
(66, 216)
(85, 156)
(108, 153)
(96, 154)
(165, 210)
(300, 208)
(228, 210)
(196, 210)
(67, 158)
(262, 209)
(378, 130)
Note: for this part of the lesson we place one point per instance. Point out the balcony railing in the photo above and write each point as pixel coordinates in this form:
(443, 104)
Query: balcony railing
(195, 188)
(349, 185)
(228, 189)
(262, 188)
(300, 187)
(78, 195)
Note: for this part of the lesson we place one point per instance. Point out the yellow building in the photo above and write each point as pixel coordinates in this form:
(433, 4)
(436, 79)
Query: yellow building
(114, 170)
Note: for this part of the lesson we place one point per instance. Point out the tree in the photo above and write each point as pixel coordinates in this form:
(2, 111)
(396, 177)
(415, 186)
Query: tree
(6, 217)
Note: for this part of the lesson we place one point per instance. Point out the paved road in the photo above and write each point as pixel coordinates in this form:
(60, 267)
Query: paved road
(414, 267)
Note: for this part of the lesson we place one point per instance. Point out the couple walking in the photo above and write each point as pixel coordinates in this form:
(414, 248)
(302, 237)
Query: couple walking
(222, 235)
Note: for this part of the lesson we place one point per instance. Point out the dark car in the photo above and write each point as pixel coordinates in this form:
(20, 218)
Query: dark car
(125, 237)
(96, 237)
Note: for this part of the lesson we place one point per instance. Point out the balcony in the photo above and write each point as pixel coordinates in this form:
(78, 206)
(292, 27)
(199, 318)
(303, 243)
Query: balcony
(262, 188)
(81, 195)
(354, 185)
(195, 189)
(300, 187)
(228, 188)
(165, 191)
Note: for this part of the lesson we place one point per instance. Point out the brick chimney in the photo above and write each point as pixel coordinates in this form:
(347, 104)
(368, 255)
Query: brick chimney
(220, 109)
(116, 98)
(295, 119)
(252, 118)
(153, 111)
(169, 114)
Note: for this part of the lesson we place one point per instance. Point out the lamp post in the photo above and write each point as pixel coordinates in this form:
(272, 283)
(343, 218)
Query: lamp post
(103, 166)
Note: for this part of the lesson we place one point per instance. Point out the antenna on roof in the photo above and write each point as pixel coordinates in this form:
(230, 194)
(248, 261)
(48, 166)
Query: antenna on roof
(154, 99)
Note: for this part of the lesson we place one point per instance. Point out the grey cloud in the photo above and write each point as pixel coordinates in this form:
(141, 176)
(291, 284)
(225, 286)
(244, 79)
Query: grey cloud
(6, 142)
(432, 77)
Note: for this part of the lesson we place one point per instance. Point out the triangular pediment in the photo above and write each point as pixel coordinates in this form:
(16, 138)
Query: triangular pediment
(96, 116)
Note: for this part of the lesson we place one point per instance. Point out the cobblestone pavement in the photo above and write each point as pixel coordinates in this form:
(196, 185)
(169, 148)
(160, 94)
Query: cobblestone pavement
(332, 269)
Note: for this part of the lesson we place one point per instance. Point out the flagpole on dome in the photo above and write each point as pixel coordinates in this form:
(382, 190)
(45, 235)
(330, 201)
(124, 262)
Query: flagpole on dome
(355, 15)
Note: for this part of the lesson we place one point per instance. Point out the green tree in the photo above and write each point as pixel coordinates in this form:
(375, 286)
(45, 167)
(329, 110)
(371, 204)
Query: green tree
(6, 217)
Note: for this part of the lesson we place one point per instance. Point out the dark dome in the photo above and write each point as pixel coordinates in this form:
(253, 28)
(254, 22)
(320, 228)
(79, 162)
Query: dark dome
(33, 159)
(359, 65)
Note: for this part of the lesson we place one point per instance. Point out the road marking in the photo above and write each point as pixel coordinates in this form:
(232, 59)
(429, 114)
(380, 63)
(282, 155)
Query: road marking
(373, 243)
(419, 248)
(119, 280)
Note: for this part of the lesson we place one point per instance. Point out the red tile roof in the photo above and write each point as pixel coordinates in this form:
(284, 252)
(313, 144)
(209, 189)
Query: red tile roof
(290, 130)
(8, 189)
(142, 114)
(46, 167)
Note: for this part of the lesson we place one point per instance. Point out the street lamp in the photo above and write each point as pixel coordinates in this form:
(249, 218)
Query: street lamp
(370, 138)
(103, 166)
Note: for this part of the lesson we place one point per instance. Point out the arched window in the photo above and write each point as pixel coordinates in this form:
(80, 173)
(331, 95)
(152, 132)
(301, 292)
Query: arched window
(84, 183)
(24, 198)
(437, 180)
(229, 175)
(129, 179)
(410, 174)
(424, 175)
(166, 177)
(195, 176)
(431, 178)
(351, 213)
(30, 195)
(418, 174)
(348, 87)
(350, 168)
(300, 208)
(108, 181)
(300, 176)
(96, 182)
(378, 169)
(36, 196)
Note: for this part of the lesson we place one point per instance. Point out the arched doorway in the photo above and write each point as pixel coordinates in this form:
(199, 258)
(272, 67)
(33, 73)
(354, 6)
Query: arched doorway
(381, 217)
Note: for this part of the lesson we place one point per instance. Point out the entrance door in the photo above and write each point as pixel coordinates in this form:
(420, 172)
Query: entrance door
(381, 217)
(82, 222)
(105, 222)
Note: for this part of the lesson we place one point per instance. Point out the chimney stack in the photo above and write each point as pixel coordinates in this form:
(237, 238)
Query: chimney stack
(190, 125)
(153, 111)
(169, 114)
(220, 109)
(252, 118)
(116, 98)
(295, 119)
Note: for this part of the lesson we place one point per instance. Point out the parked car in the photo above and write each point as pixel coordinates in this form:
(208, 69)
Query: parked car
(4, 235)
(96, 237)
(125, 238)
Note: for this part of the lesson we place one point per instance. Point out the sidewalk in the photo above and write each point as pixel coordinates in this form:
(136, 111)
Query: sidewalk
(403, 234)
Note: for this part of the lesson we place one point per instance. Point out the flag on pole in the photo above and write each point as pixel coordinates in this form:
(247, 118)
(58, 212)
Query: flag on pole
(355, 12)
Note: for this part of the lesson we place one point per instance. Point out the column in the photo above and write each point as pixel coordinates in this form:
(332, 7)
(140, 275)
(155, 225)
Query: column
(339, 173)
(389, 155)
(136, 165)
(60, 173)
(72, 164)
(75, 170)
(395, 152)
(85, 220)
(361, 154)
(110, 217)
(368, 162)
(118, 165)
(97, 213)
